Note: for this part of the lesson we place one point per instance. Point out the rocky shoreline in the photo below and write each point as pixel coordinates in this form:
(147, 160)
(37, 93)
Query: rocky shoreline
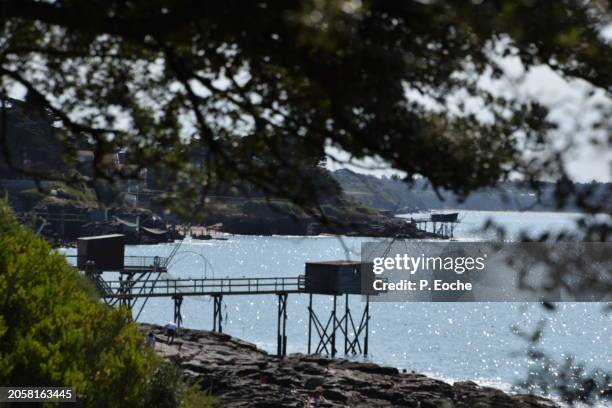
(241, 375)
(142, 226)
(371, 226)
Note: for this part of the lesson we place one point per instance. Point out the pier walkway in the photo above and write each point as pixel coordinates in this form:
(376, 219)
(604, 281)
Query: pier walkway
(115, 289)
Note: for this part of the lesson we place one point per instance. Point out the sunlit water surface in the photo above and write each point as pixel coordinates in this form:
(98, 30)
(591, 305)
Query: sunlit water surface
(451, 341)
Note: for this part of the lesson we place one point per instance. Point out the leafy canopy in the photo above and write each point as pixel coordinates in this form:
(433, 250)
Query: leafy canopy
(55, 332)
(258, 86)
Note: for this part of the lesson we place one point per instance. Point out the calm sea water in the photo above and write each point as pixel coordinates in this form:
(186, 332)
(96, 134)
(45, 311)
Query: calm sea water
(451, 341)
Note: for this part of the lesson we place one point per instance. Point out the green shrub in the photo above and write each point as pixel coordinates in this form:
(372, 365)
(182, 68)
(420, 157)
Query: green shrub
(169, 390)
(55, 332)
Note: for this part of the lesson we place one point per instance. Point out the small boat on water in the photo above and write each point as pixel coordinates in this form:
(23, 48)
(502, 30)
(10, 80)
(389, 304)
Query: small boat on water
(447, 217)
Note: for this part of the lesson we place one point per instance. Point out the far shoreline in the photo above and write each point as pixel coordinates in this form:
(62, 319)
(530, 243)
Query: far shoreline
(543, 211)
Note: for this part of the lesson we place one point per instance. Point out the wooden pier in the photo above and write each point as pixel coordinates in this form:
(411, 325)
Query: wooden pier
(144, 278)
(441, 224)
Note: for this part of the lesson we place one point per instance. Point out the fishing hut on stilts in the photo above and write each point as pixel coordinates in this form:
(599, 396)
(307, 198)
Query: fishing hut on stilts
(441, 223)
(146, 277)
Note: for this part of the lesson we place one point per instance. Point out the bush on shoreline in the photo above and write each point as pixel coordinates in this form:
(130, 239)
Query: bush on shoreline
(55, 332)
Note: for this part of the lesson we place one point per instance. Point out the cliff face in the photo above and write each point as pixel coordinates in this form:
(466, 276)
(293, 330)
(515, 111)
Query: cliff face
(241, 375)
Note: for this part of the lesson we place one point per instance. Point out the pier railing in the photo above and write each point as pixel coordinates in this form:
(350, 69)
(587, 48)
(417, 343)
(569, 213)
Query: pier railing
(143, 262)
(133, 263)
(212, 287)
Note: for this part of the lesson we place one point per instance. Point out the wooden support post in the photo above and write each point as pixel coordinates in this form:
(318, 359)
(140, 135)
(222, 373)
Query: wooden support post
(309, 320)
(333, 335)
(125, 289)
(367, 326)
(347, 314)
(217, 313)
(178, 317)
(281, 334)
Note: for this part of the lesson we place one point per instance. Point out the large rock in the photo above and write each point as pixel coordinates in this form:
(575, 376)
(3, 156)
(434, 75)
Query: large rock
(241, 375)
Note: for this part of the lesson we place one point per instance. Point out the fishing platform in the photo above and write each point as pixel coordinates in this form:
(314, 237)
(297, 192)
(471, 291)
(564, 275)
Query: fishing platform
(146, 277)
(441, 223)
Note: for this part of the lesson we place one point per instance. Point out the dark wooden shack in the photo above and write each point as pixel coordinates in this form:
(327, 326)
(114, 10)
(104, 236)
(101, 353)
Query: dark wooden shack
(449, 217)
(106, 251)
(333, 277)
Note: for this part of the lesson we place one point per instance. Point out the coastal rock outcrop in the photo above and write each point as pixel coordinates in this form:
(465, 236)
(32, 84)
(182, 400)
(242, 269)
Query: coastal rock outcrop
(241, 375)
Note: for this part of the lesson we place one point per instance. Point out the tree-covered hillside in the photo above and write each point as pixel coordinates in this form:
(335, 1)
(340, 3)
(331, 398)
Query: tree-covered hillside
(393, 194)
